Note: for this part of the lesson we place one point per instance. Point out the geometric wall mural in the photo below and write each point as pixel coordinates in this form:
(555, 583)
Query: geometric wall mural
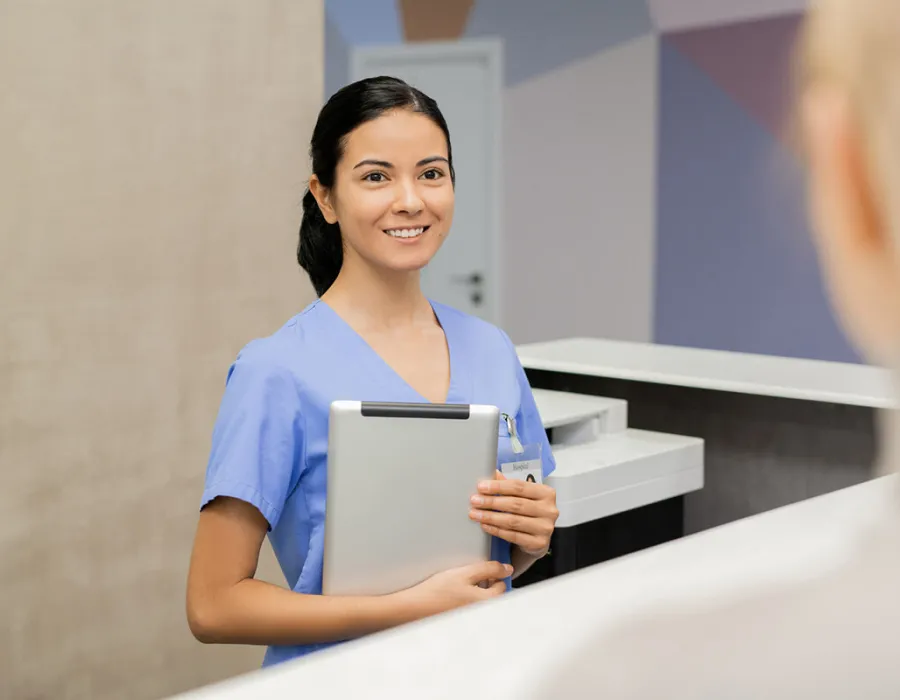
(434, 21)
(749, 62)
(735, 266)
(584, 28)
(709, 220)
(677, 15)
(361, 22)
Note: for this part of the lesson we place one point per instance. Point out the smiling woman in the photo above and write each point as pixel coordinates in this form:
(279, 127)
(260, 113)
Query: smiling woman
(379, 207)
(382, 161)
(408, 197)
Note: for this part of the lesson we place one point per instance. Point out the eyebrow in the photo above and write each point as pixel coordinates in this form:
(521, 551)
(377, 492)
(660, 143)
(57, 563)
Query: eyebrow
(386, 165)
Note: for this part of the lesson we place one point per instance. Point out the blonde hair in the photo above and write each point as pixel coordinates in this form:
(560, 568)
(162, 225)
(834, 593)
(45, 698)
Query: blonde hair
(854, 45)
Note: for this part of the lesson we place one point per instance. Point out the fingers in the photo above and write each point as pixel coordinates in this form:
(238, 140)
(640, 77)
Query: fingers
(516, 487)
(539, 522)
(487, 571)
(499, 588)
(496, 588)
(507, 504)
(523, 540)
(515, 506)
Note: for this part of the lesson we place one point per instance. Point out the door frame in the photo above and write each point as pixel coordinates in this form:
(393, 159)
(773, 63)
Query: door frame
(490, 51)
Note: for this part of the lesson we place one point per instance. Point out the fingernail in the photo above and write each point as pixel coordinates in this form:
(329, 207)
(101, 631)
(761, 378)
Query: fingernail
(508, 568)
(475, 514)
(477, 500)
(484, 485)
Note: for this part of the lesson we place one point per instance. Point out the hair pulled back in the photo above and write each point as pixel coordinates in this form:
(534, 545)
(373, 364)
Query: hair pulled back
(320, 250)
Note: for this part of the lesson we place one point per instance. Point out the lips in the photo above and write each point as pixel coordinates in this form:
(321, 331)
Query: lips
(406, 232)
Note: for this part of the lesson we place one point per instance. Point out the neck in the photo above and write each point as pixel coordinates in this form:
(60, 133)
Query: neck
(372, 299)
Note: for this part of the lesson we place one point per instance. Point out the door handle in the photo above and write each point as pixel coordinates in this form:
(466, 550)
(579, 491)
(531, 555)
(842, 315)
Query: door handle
(473, 279)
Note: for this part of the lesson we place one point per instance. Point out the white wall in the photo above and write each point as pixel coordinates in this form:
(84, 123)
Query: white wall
(579, 228)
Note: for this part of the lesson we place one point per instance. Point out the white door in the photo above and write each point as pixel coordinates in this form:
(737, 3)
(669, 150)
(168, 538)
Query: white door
(465, 78)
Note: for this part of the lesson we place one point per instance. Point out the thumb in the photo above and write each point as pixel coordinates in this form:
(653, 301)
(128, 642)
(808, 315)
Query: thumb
(500, 476)
(488, 571)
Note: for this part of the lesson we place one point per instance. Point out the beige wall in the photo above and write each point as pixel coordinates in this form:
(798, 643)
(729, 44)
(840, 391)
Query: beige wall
(152, 158)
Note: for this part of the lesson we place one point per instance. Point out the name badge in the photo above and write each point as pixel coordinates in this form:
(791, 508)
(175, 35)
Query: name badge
(525, 470)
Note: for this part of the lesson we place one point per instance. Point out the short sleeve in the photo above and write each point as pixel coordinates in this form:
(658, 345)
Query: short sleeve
(257, 442)
(528, 421)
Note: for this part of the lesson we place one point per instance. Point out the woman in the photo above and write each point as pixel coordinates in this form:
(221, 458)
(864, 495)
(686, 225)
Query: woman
(837, 634)
(378, 208)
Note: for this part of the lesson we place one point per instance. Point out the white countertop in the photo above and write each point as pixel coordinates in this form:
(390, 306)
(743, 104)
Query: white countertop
(496, 650)
(559, 408)
(810, 380)
(622, 471)
(603, 467)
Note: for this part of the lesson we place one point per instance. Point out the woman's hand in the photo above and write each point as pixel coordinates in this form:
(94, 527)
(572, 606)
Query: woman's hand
(520, 512)
(455, 588)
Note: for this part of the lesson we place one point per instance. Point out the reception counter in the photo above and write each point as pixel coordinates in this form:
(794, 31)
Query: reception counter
(502, 648)
(618, 489)
(713, 370)
(775, 430)
(765, 463)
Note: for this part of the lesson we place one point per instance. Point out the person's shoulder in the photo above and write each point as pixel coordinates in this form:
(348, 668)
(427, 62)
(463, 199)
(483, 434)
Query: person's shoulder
(473, 326)
(280, 352)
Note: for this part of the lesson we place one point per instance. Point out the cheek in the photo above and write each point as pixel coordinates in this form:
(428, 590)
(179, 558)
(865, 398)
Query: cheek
(861, 282)
(361, 212)
(441, 203)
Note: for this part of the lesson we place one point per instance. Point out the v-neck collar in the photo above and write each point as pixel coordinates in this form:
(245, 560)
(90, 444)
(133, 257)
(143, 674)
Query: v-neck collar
(451, 351)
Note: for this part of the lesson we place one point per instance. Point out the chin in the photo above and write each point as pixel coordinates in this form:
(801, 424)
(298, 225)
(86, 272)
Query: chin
(408, 265)
(413, 259)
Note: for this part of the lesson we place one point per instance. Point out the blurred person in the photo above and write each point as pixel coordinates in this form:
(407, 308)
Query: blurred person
(837, 634)
(378, 208)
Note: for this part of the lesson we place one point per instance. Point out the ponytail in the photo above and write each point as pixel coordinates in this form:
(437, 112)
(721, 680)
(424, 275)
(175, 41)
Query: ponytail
(320, 249)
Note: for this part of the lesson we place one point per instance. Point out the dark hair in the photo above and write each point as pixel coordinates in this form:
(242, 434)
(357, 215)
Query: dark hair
(320, 249)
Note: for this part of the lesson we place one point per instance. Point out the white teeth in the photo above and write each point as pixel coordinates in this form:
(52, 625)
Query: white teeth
(406, 232)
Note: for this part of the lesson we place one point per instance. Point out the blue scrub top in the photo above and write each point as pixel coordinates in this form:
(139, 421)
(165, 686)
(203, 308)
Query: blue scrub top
(269, 444)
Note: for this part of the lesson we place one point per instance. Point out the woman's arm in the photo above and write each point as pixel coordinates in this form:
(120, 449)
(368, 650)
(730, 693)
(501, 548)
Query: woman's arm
(226, 605)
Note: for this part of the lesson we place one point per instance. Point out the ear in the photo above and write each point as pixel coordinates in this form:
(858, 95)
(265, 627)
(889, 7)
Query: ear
(853, 241)
(324, 199)
(844, 199)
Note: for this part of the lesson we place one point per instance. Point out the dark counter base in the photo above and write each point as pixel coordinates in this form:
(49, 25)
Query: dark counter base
(583, 545)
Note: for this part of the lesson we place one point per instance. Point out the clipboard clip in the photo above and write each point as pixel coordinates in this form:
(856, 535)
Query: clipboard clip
(514, 440)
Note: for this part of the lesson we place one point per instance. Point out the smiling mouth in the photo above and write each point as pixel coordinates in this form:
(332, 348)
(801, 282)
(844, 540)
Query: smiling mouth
(406, 232)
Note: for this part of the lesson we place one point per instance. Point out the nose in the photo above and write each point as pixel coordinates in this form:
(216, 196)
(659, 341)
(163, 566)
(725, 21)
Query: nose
(408, 200)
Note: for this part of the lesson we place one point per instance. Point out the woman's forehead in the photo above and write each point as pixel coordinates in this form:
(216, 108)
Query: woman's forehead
(401, 135)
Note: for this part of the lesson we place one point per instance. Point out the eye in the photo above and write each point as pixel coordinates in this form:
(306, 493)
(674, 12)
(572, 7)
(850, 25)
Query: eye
(374, 177)
(432, 174)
